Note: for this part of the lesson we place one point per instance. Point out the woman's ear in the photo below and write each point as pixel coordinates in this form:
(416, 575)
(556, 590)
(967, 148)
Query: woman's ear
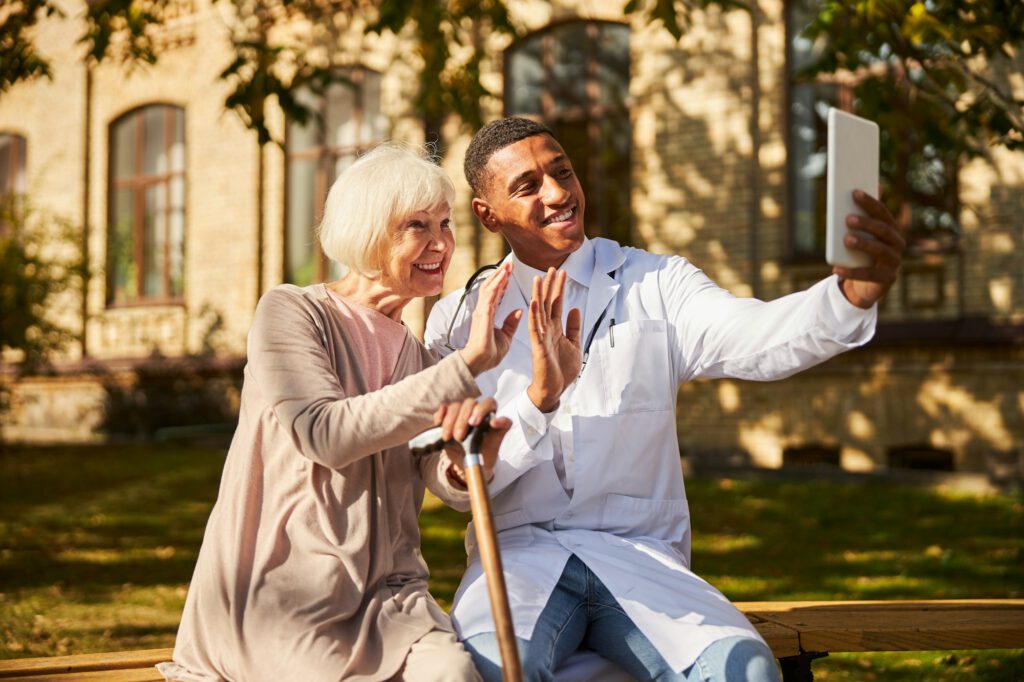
(486, 215)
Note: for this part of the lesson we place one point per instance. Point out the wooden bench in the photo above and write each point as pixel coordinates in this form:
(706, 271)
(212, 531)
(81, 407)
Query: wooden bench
(797, 632)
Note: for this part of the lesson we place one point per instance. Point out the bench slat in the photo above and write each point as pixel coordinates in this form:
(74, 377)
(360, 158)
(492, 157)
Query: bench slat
(130, 675)
(898, 625)
(82, 663)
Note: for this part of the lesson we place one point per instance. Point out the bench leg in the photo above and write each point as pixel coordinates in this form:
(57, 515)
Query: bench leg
(798, 668)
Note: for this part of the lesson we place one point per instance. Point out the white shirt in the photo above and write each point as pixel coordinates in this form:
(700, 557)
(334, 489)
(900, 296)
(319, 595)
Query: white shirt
(579, 267)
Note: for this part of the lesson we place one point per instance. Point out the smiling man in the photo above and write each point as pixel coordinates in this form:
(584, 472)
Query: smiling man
(588, 492)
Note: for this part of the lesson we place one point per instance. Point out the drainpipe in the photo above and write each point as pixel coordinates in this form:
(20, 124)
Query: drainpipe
(86, 208)
(754, 218)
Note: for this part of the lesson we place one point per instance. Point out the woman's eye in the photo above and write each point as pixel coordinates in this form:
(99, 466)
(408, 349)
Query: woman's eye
(446, 224)
(414, 225)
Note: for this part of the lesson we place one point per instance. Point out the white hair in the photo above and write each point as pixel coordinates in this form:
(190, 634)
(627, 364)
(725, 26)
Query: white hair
(382, 187)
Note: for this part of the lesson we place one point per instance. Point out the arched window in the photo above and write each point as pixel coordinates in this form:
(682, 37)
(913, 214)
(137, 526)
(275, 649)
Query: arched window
(574, 77)
(12, 164)
(346, 122)
(146, 228)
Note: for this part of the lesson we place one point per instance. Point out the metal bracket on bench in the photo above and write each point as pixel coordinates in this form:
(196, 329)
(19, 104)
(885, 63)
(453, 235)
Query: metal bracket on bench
(798, 668)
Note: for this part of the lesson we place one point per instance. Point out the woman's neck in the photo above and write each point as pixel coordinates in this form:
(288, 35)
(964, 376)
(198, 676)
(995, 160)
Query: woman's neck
(371, 293)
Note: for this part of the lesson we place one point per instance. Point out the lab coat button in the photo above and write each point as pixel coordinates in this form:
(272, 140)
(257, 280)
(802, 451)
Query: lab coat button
(567, 515)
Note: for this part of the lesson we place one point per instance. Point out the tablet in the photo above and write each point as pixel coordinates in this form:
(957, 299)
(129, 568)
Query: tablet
(852, 164)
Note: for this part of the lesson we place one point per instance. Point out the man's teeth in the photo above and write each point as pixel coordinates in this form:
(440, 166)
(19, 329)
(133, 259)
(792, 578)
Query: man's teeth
(561, 217)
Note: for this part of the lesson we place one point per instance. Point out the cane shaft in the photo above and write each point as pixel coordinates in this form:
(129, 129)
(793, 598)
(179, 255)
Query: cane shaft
(490, 557)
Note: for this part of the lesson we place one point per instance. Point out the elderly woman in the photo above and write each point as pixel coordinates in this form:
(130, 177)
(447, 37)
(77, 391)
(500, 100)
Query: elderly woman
(310, 568)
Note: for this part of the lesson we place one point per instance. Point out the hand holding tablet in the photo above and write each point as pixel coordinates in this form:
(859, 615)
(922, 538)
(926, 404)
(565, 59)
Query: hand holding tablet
(864, 244)
(852, 164)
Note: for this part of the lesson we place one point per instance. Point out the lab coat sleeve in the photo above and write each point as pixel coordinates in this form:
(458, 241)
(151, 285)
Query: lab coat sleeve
(527, 442)
(717, 334)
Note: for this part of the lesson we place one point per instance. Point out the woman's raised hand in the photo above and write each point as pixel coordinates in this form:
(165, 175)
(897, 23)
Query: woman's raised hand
(488, 344)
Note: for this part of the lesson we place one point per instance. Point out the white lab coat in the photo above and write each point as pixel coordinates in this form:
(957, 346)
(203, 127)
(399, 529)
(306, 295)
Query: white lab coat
(628, 520)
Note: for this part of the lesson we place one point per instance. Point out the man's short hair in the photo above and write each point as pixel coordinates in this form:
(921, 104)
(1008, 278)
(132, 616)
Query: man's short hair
(382, 187)
(495, 136)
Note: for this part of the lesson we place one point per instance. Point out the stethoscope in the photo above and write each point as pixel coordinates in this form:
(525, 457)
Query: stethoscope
(487, 268)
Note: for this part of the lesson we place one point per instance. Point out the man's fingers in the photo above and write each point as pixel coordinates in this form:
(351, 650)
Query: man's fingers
(881, 230)
(557, 296)
(573, 326)
(881, 275)
(874, 207)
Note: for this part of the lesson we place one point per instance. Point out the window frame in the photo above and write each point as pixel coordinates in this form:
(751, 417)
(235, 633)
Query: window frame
(139, 182)
(590, 114)
(325, 157)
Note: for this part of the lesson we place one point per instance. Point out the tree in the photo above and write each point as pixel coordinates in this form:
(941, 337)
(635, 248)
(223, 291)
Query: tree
(40, 259)
(933, 75)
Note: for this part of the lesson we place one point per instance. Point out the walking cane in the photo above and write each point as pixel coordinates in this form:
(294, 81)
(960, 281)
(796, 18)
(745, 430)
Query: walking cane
(486, 536)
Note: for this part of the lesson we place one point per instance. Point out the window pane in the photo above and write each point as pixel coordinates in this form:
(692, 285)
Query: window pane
(154, 240)
(569, 66)
(177, 235)
(375, 124)
(526, 76)
(121, 271)
(613, 64)
(300, 249)
(342, 118)
(124, 147)
(7, 169)
(177, 265)
(154, 159)
(577, 77)
(178, 140)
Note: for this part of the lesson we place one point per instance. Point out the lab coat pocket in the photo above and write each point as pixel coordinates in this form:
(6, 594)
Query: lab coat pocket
(637, 370)
(633, 517)
(510, 519)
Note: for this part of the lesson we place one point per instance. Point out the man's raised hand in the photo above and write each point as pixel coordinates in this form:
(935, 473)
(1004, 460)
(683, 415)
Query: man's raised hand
(557, 358)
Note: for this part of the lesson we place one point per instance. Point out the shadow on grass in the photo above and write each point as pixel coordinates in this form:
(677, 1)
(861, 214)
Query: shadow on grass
(97, 517)
(818, 540)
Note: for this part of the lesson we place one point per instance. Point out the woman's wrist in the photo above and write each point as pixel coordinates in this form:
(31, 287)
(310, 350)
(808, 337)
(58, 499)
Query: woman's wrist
(474, 362)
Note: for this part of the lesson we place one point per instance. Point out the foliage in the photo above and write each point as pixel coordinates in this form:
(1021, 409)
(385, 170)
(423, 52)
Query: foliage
(934, 75)
(675, 16)
(19, 59)
(271, 63)
(40, 259)
(450, 84)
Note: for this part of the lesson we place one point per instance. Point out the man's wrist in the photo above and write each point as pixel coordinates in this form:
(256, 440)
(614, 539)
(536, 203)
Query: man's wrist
(544, 403)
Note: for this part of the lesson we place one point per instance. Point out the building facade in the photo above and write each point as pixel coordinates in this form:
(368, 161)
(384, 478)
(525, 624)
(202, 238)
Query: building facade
(709, 147)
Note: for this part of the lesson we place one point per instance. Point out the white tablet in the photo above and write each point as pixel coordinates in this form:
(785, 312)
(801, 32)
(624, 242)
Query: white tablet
(852, 164)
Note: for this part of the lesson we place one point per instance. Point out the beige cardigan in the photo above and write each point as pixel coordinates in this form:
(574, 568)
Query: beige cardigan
(310, 567)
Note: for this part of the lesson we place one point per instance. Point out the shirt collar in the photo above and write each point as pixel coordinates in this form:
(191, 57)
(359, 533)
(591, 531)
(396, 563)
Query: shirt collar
(579, 266)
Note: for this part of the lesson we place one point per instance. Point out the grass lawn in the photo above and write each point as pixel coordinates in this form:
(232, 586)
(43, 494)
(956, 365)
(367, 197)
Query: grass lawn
(97, 545)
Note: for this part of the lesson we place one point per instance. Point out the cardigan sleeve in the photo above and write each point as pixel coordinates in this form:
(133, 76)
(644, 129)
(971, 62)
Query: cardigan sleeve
(290, 364)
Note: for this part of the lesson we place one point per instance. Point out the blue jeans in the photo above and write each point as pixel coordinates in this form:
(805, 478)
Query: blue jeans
(582, 613)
